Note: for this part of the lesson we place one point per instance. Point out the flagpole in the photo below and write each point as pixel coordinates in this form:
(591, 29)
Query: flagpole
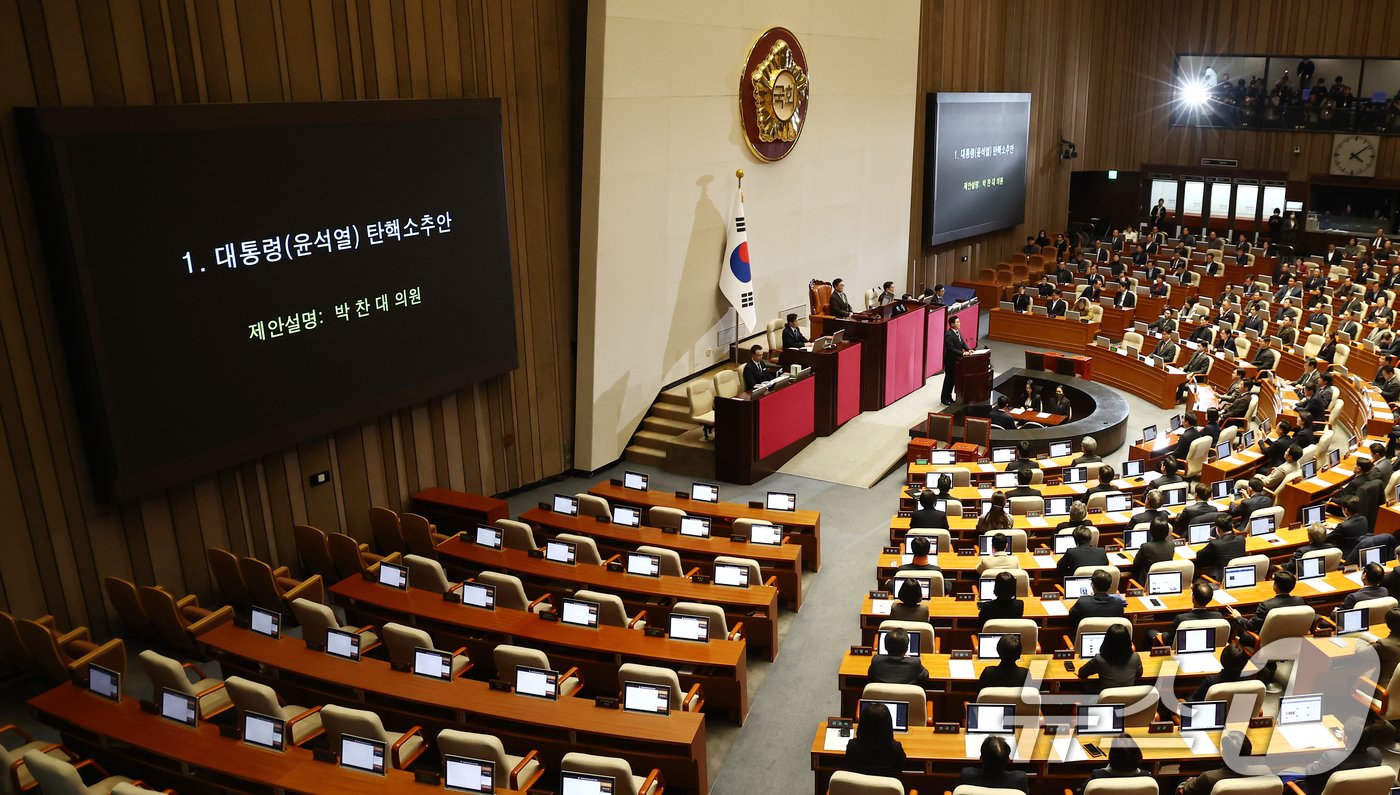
(739, 174)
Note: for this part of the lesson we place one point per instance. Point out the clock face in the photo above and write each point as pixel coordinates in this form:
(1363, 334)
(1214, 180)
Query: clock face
(1354, 155)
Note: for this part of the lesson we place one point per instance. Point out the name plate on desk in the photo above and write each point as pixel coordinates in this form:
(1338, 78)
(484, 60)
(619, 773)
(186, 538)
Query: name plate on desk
(654, 632)
(605, 702)
(862, 651)
(429, 777)
(945, 727)
(548, 615)
(1063, 654)
(1134, 592)
(499, 686)
(891, 550)
(905, 514)
(700, 579)
(614, 565)
(682, 495)
(1051, 596)
(452, 597)
(880, 595)
(1160, 651)
(966, 597)
(670, 531)
(739, 538)
(967, 552)
(1161, 727)
(1261, 723)
(961, 654)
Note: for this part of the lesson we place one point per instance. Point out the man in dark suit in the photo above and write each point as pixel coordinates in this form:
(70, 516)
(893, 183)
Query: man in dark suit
(996, 756)
(1201, 596)
(1255, 499)
(792, 335)
(1233, 745)
(1083, 553)
(1021, 302)
(999, 417)
(1158, 550)
(1371, 577)
(1363, 749)
(928, 515)
(954, 346)
(1024, 476)
(1382, 466)
(1189, 434)
(1274, 450)
(1388, 647)
(1352, 529)
(1125, 298)
(754, 371)
(1256, 321)
(1227, 545)
(839, 305)
(1100, 603)
(1333, 256)
(1166, 348)
(1192, 512)
(1057, 306)
(894, 667)
(1283, 597)
(1152, 505)
(1105, 481)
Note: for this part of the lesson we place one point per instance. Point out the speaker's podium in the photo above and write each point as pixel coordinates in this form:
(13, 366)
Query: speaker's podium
(974, 379)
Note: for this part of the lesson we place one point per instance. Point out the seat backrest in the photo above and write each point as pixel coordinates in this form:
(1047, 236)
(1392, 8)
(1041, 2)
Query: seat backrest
(1026, 699)
(1098, 624)
(774, 334)
(165, 617)
(402, 641)
(589, 505)
(224, 565)
(670, 559)
(1246, 698)
(12, 651)
(250, 696)
(472, 745)
(918, 700)
(517, 535)
(314, 550)
(384, 528)
(585, 549)
(1260, 563)
(1248, 785)
(1228, 434)
(701, 394)
(1286, 622)
(1025, 627)
(1021, 506)
(509, 657)
(43, 651)
(1220, 628)
(819, 298)
(54, 776)
(1377, 607)
(510, 593)
(165, 673)
(936, 586)
(1312, 346)
(127, 602)
(618, 769)
(1365, 781)
(1331, 558)
(1186, 567)
(665, 518)
(727, 383)
(417, 535)
(921, 628)
(978, 431)
(339, 720)
(314, 618)
(939, 540)
(1140, 703)
(427, 574)
(755, 572)
(1334, 409)
(1199, 449)
(1133, 339)
(1113, 571)
(345, 553)
(1122, 785)
(611, 610)
(258, 576)
(962, 476)
(1275, 511)
(844, 782)
(652, 675)
(940, 426)
(719, 624)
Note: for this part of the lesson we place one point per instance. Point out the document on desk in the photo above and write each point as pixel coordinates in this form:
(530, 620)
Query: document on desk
(1199, 663)
(834, 740)
(1319, 584)
(1037, 521)
(1068, 749)
(1119, 559)
(961, 669)
(1044, 561)
(1040, 415)
(1078, 488)
(1318, 481)
(1224, 597)
(1056, 608)
(1186, 552)
(1343, 471)
(881, 607)
(987, 467)
(1355, 577)
(1248, 455)
(1150, 602)
(1231, 461)
(1308, 735)
(1200, 743)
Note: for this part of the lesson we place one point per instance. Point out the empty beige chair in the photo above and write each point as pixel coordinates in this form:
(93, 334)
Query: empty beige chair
(1219, 627)
(1196, 456)
(420, 537)
(169, 674)
(718, 623)
(1242, 348)
(612, 611)
(585, 549)
(510, 593)
(940, 540)
(670, 560)
(404, 747)
(665, 518)
(351, 558)
(918, 700)
(1365, 781)
(1139, 702)
(1228, 434)
(936, 585)
(509, 772)
(844, 782)
(589, 505)
(1334, 410)
(224, 565)
(14, 776)
(923, 629)
(1132, 339)
(1114, 573)
(404, 641)
(962, 476)
(682, 701)
(1026, 699)
(57, 777)
(1378, 695)
(1245, 699)
(1339, 359)
(1377, 608)
(773, 333)
(1284, 622)
(701, 394)
(1122, 785)
(248, 696)
(1025, 627)
(315, 619)
(427, 574)
(384, 528)
(1020, 506)
(508, 658)
(755, 573)
(517, 535)
(728, 383)
(1248, 785)
(624, 781)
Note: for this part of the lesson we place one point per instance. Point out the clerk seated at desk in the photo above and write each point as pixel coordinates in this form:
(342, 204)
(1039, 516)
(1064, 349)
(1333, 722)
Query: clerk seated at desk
(1083, 553)
(895, 667)
(920, 547)
(792, 335)
(998, 416)
(928, 515)
(1058, 403)
(754, 372)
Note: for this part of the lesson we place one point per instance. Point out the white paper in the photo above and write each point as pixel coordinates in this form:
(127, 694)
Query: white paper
(835, 742)
(1355, 577)
(1318, 481)
(1308, 735)
(1037, 521)
(1044, 561)
(987, 467)
(1343, 471)
(881, 607)
(961, 669)
(1186, 552)
(1224, 597)
(1320, 584)
(1055, 608)
(1119, 559)
(1150, 602)
(1200, 743)
(1042, 415)
(1078, 488)
(1231, 461)
(1200, 663)
(1249, 455)
(1068, 749)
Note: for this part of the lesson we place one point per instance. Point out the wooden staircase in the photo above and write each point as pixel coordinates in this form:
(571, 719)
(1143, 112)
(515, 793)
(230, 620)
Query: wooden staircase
(669, 440)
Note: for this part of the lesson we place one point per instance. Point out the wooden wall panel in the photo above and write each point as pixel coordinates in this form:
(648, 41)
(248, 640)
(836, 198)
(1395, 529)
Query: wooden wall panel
(1101, 74)
(498, 435)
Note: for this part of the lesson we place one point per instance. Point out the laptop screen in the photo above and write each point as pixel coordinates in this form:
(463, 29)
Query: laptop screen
(899, 711)
(941, 458)
(1117, 502)
(645, 697)
(1099, 718)
(179, 707)
(1203, 716)
(478, 594)
(1309, 468)
(1247, 439)
(1222, 450)
(704, 492)
(1240, 577)
(1261, 526)
(1371, 555)
(1220, 490)
(566, 505)
(732, 575)
(769, 534)
(462, 774)
(1076, 475)
(432, 663)
(1005, 480)
(537, 682)
(488, 536)
(915, 639)
(1176, 422)
(1198, 533)
(991, 718)
(1134, 538)
(1089, 643)
(1314, 514)
(1003, 455)
(695, 526)
(687, 627)
(1132, 469)
(1300, 709)
(1353, 620)
(634, 480)
(985, 586)
(343, 644)
(1063, 543)
(1149, 433)
(925, 584)
(626, 516)
(1057, 506)
(1334, 457)
(393, 576)
(644, 564)
(1175, 495)
(987, 645)
(781, 501)
(1164, 582)
(359, 753)
(1309, 568)
(1076, 587)
(1190, 641)
(585, 784)
(264, 731)
(561, 551)
(580, 613)
(266, 622)
(1060, 449)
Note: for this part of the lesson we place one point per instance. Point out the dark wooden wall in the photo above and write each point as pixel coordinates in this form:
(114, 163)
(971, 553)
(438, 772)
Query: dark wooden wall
(1101, 74)
(56, 541)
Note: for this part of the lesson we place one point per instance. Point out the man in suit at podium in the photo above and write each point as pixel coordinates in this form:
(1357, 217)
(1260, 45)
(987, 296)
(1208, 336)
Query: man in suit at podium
(839, 305)
(792, 335)
(954, 346)
(754, 371)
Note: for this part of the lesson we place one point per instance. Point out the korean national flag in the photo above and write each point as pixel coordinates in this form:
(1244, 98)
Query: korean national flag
(735, 273)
